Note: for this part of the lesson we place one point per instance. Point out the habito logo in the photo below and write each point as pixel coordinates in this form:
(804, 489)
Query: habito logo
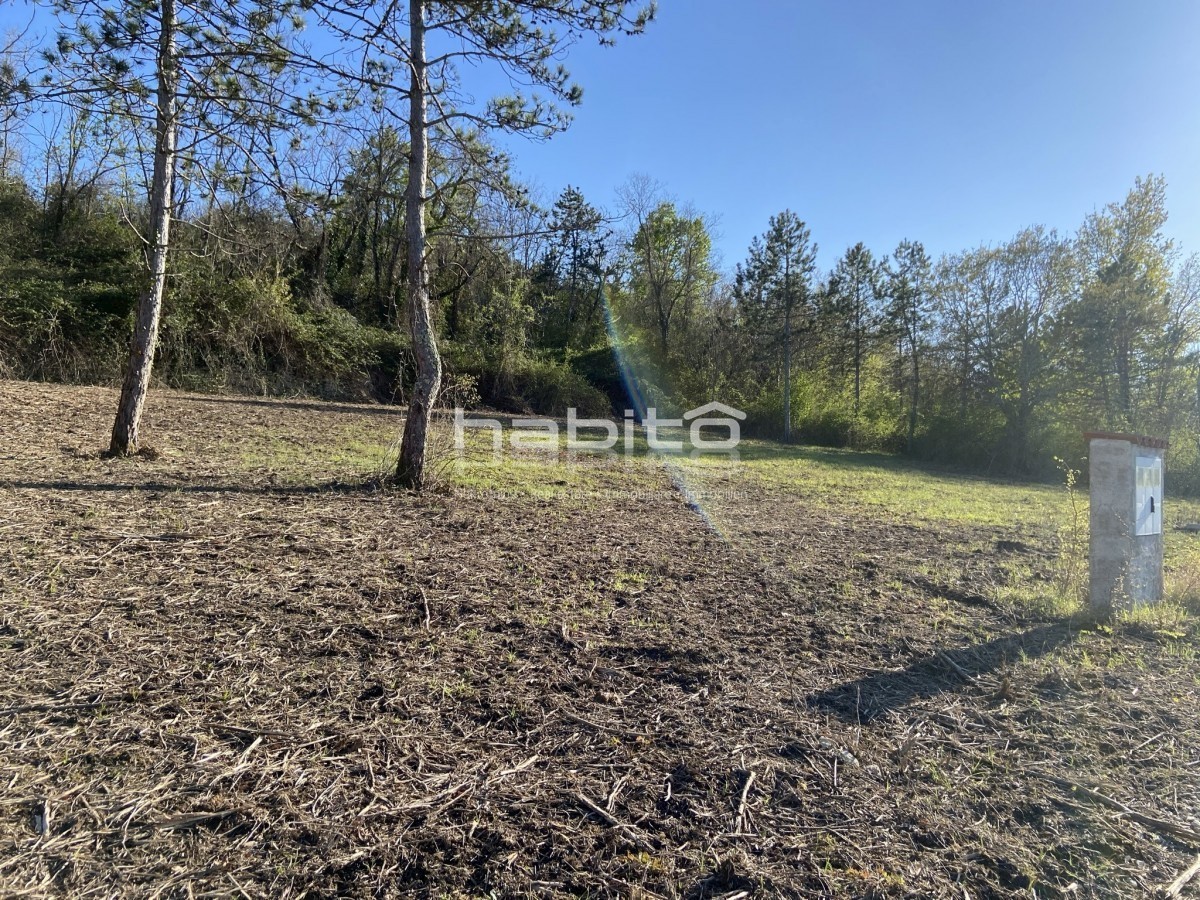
(544, 434)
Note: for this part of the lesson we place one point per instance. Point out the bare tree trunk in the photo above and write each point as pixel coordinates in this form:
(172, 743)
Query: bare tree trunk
(857, 369)
(410, 470)
(787, 374)
(571, 290)
(145, 336)
(664, 324)
(916, 399)
(854, 422)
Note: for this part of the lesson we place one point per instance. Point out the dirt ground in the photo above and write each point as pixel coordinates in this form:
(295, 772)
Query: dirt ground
(219, 678)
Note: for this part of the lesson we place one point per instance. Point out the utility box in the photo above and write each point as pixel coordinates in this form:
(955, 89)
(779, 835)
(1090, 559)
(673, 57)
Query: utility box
(1126, 546)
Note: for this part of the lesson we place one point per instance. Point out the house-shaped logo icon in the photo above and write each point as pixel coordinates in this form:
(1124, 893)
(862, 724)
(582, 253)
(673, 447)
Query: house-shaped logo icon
(715, 414)
(714, 407)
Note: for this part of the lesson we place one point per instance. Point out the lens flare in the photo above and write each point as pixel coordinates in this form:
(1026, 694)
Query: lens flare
(647, 386)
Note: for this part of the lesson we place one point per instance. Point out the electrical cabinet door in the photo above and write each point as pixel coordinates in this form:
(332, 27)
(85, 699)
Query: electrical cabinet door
(1148, 496)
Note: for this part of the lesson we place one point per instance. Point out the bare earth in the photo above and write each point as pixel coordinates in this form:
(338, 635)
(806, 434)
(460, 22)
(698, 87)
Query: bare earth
(220, 678)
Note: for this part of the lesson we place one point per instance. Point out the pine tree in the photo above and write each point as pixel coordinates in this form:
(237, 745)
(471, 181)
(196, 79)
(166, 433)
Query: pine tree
(509, 33)
(575, 262)
(774, 290)
(908, 291)
(198, 77)
(852, 309)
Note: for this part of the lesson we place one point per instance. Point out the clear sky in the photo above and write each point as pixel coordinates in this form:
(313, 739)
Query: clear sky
(953, 122)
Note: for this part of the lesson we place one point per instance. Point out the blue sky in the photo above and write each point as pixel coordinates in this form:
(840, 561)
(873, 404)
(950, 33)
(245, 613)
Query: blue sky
(954, 123)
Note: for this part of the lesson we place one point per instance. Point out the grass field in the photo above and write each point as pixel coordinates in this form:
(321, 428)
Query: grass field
(234, 668)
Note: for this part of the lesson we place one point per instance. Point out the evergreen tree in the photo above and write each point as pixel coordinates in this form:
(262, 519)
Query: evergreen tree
(205, 73)
(575, 269)
(908, 292)
(851, 312)
(509, 33)
(774, 288)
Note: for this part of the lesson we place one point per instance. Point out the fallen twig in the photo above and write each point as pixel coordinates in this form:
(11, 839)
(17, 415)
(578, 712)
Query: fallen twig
(1148, 742)
(1162, 826)
(599, 726)
(740, 820)
(628, 830)
(195, 819)
(56, 707)
(958, 670)
(425, 604)
(1175, 888)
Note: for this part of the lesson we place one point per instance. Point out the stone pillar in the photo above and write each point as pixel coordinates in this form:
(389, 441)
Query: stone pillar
(1126, 517)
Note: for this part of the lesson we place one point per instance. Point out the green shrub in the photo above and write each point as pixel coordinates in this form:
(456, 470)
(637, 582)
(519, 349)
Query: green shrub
(522, 383)
(600, 368)
(66, 288)
(250, 334)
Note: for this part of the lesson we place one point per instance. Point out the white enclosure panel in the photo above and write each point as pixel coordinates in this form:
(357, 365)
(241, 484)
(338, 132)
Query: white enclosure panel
(1148, 496)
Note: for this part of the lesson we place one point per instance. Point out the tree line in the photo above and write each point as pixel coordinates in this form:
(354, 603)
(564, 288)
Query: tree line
(999, 356)
(262, 214)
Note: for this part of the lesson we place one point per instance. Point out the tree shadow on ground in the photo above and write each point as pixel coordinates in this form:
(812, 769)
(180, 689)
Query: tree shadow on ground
(323, 406)
(943, 671)
(366, 486)
(761, 450)
(390, 410)
(387, 410)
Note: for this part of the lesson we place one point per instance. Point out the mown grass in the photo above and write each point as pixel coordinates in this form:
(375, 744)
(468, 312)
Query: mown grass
(1055, 515)
(368, 449)
(853, 484)
(893, 487)
(872, 484)
(295, 459)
